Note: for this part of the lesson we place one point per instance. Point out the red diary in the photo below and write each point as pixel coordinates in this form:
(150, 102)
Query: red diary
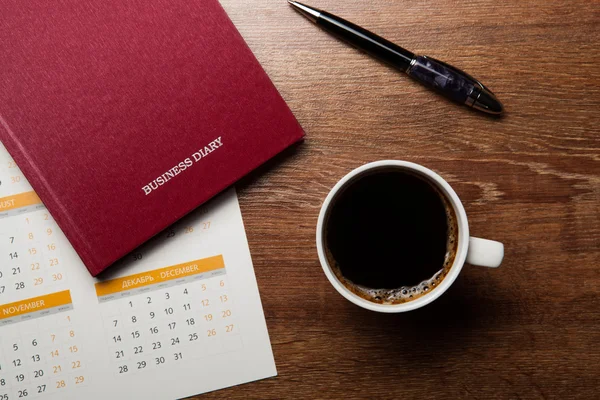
(127, 115)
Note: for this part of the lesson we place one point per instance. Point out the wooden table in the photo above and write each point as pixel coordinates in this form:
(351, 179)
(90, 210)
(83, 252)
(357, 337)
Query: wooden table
(529, 330)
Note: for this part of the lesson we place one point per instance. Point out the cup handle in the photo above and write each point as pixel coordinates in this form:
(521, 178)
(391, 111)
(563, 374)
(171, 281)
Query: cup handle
(485, 253)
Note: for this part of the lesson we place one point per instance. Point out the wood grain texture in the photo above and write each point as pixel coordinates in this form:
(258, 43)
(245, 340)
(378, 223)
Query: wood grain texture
(529, 330)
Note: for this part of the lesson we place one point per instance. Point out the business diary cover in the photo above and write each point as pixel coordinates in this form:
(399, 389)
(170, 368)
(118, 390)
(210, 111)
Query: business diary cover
(127, 115)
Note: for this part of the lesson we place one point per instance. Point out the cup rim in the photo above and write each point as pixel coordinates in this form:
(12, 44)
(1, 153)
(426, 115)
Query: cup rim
(462, 247)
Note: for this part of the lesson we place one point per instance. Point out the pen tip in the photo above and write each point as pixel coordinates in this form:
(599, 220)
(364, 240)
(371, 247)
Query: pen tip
(309, 12)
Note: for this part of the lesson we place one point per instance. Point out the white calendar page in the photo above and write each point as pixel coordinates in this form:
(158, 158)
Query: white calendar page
(180, 316)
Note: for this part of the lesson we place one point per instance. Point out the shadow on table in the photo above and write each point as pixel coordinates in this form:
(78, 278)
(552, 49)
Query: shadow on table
(458, 321)
(254, 177)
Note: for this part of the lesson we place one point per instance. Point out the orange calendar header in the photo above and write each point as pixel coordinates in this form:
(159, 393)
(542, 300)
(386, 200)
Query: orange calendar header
(35, 304)
(19, 200)
(160, 275)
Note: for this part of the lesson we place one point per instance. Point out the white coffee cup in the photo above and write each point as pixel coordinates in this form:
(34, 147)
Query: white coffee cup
(475, 251)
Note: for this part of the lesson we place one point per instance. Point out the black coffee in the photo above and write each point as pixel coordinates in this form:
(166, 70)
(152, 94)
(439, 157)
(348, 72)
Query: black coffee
(390, 236)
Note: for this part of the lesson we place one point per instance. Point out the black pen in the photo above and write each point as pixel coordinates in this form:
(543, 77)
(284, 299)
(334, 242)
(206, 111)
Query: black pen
(445, 79)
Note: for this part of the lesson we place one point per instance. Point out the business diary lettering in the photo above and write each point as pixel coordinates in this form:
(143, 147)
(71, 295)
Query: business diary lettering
(183, 165)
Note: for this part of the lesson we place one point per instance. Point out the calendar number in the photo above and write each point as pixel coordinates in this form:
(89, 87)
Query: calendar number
(79, 380)
(57, 369)
(123, 369)
(211, 332)
(119, 354)
(75, 364)
(41, 388)
(137, 256)
(193, 337)
(174, 341)
(229, 328)
(141, 364)
(178, 356)
(138, 350)
(35, 358)
(19, 285)
(226, 313)
(38, 374)
(159, 360)
(60, 384)
(156, 346)
(17, 362)
(23, 393)
(20, 378)
(13, 255)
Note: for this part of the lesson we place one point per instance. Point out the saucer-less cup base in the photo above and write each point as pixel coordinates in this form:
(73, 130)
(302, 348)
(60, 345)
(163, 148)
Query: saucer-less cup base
(475, 251)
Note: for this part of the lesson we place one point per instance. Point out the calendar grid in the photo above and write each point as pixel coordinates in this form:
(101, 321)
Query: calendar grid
(152, 321)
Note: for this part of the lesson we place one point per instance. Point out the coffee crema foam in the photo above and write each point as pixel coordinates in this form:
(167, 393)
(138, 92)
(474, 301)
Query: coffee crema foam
(407, 294)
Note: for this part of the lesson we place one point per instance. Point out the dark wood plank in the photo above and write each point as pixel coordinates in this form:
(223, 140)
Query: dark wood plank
(529, 330)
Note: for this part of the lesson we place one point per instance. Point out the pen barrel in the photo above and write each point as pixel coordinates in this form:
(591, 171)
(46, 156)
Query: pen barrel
(445, 79)
(366, 41)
